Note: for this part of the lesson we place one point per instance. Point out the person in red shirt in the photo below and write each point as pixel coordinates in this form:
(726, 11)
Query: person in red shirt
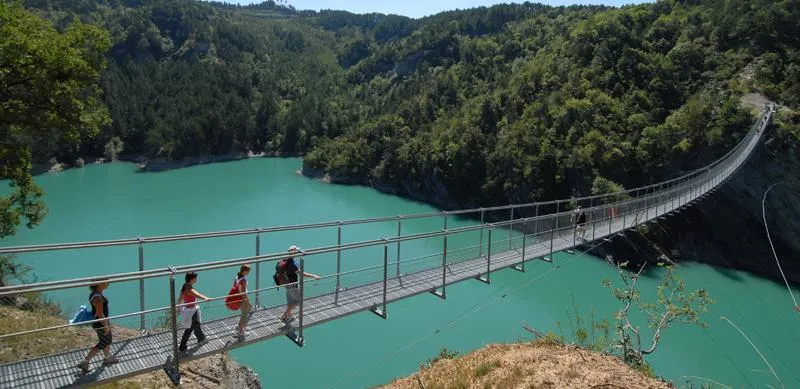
(190, 313)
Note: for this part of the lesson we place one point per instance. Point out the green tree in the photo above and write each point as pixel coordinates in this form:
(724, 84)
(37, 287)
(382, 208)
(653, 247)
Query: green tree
(48, 98)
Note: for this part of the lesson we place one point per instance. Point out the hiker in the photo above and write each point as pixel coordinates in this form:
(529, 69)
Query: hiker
(286, 273)
(99, 304)
(579, 218)
(241, 282)
(190, 313)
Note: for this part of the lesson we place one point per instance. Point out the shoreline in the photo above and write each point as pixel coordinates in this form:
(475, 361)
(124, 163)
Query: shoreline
(153, 165)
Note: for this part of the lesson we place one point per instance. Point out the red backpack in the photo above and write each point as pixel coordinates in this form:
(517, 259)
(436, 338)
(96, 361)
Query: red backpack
(281, 275)
(232, 301)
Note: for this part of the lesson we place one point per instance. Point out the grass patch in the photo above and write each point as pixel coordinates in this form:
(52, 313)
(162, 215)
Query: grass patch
(510, 381)
(486, 368)
(38, 344)
(444, 353)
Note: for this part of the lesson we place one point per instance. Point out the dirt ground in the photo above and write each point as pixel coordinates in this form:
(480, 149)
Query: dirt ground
(529, 365)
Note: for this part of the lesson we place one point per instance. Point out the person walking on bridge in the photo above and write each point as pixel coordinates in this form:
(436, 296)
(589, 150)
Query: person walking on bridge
(102, 327)
(287, 273)
(241, 282)
(579, 218)
(190, 313)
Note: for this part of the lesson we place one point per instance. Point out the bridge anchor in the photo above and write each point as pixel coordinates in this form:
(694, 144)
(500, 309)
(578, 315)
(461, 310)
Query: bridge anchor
(483, 279)
(439, 293)
(378, 311)
(298, 340)
(169, 369)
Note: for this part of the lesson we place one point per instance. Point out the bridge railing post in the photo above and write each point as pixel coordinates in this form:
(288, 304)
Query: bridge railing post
(382, 311)
(487, 279)
(552, 238)
(536, 224)
(301, 314)
(338, 262)
(594, 224)
(524, 237)
(511, 229)
(258, 269)
(399, 229)
(173, 370)
(142, 327)
(489, 258)
(385, 275)
(480, 245)
(624, 215)
(443, 292)
(558, 205)
(611, 214)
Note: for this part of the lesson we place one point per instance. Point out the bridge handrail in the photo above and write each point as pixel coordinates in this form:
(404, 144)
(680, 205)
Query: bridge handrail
(250, 231)
(161, 272)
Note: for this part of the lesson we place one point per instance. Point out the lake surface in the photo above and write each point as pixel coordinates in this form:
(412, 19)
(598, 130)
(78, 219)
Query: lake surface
(112, 201)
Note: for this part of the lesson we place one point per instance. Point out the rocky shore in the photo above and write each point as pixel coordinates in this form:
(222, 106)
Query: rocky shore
(158, 164)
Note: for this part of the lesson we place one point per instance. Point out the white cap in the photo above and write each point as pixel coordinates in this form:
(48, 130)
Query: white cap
(295, 248)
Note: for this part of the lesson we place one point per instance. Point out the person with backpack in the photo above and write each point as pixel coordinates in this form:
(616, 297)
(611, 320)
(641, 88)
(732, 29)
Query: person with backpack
(286, 273)
(99, 304)
(190, 313)
(244, 301)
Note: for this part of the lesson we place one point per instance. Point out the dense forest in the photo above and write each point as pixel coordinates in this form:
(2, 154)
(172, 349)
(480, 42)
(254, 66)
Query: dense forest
(509, 103)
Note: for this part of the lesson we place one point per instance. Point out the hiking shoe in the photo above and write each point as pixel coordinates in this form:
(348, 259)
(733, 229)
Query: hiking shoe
(84, 366)
(287, 320)
(110, 360)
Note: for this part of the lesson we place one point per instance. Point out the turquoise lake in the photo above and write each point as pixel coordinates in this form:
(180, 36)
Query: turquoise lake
(113, 201)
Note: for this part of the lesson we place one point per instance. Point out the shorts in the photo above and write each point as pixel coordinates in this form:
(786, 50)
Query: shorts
(103, 338)
(293, 296)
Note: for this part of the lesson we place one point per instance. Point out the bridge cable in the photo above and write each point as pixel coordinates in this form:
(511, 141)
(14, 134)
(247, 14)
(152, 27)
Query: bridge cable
(766, 227)
(667, 234)
(713, 339)
(474, 309)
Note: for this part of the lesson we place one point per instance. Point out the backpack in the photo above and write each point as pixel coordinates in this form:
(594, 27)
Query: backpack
(281, 275)
(82, 315)
(232, 301)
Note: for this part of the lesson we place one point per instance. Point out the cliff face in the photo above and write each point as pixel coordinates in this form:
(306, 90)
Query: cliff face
(726, 228)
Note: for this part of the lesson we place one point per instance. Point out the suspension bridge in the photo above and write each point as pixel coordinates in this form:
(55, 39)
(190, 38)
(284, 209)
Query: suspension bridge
(508, 237)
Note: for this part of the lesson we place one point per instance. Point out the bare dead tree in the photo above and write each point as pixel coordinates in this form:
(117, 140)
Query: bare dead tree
(674, 304)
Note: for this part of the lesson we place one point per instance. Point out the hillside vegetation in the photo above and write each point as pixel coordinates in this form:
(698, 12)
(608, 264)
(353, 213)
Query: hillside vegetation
(510, 103)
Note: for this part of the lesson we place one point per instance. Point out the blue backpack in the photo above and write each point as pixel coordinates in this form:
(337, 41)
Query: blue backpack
(81, 315)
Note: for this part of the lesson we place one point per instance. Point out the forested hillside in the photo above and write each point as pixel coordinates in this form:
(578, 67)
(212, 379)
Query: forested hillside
(484, 106)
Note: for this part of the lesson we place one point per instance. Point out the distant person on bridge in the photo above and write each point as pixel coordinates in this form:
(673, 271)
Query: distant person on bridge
(241, 282)
(190, 313)
(286, 273)
(99, 304)
(579, 218)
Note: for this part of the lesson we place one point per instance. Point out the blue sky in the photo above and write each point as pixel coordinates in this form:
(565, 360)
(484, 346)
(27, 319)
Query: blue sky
(419, 8)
